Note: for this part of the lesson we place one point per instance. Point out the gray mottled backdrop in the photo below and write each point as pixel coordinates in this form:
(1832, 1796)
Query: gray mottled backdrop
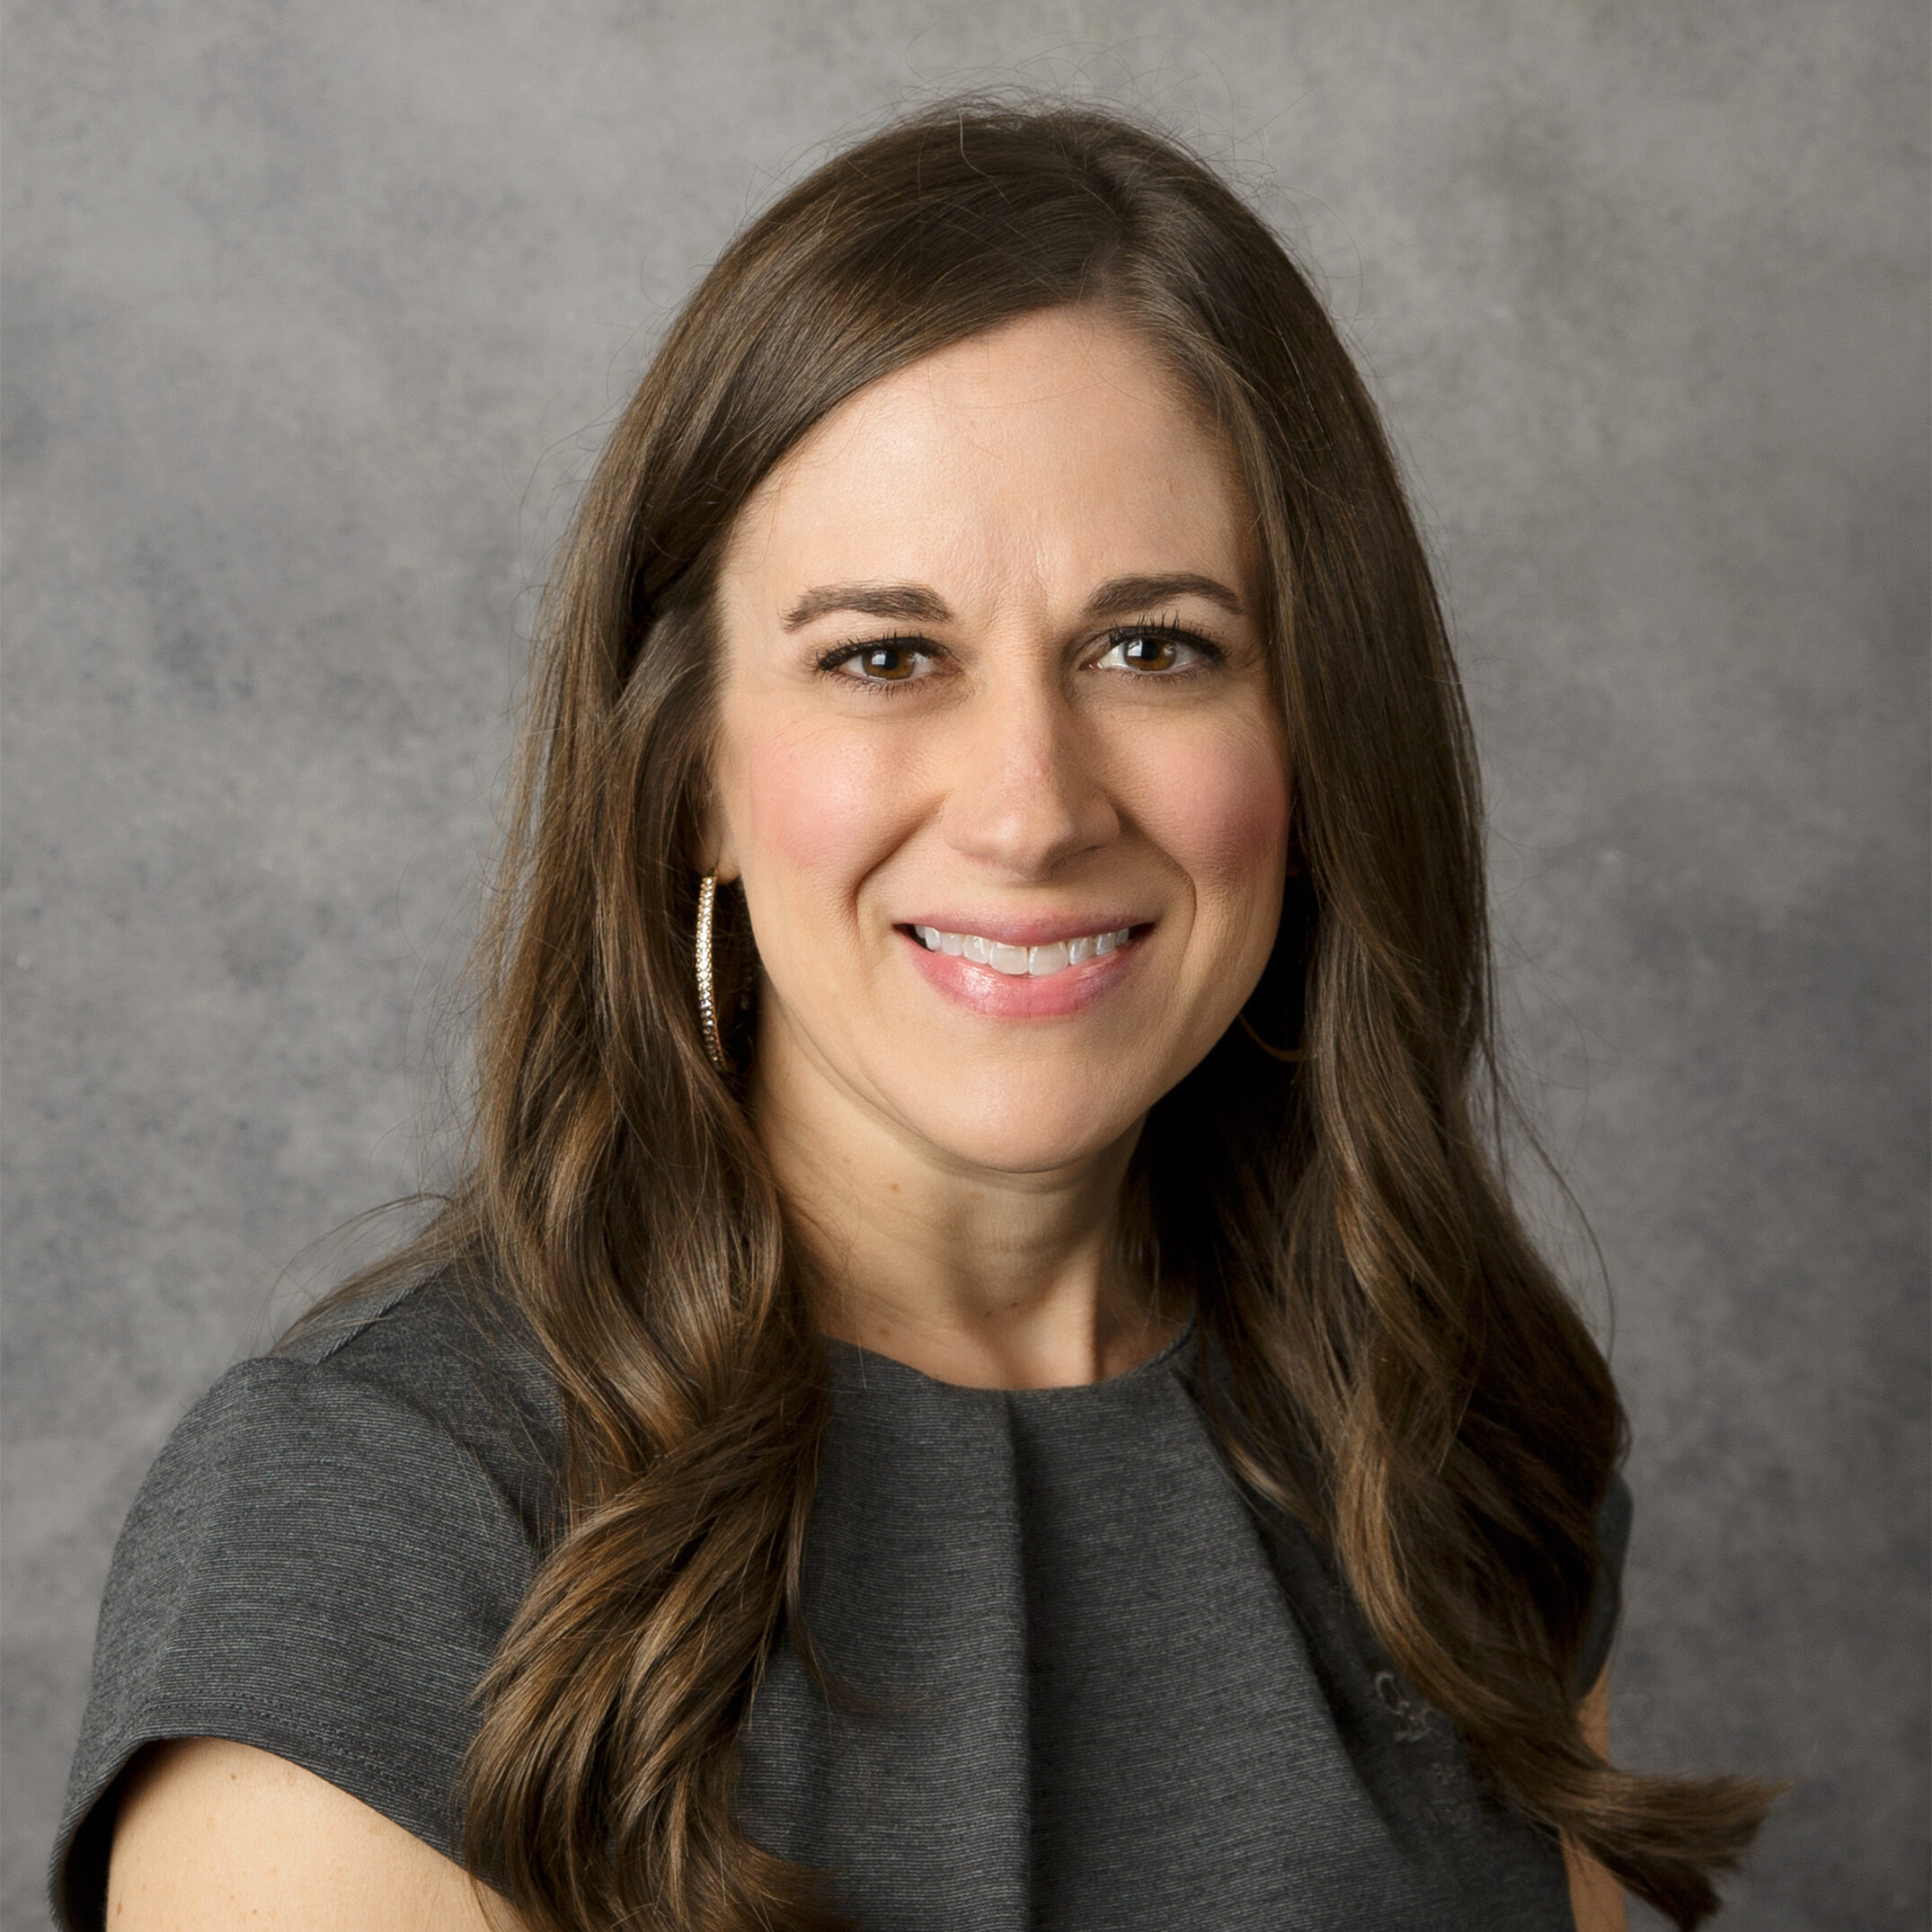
(313, 313)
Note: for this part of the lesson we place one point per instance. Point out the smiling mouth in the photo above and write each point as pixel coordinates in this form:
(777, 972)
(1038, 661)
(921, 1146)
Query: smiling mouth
(1037, 962)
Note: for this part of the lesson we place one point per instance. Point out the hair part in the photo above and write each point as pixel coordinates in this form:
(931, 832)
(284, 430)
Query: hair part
(1407, 1377)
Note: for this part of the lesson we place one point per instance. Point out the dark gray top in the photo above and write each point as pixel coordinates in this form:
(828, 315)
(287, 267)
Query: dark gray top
(1098, 1692)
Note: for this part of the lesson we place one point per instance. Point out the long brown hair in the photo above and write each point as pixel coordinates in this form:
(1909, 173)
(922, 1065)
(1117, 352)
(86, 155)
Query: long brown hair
(1407, 1377)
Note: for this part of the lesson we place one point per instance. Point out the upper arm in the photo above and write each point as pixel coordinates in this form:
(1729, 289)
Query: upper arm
(211, 1834)
(317, 1566)
(1596, 1899)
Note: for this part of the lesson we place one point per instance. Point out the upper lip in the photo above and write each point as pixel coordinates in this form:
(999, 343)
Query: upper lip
(1039, 929)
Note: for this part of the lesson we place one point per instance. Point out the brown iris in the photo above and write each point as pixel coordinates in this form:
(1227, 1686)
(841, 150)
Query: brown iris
(895, 663)
(1150, 651)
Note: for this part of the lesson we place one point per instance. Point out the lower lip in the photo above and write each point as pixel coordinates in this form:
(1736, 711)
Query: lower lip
(1001, 995)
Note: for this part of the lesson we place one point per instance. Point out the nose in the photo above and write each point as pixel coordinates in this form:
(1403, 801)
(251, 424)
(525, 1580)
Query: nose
(1027, 794)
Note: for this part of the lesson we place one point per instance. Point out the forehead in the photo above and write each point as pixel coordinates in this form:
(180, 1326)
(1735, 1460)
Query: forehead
(1048, 454)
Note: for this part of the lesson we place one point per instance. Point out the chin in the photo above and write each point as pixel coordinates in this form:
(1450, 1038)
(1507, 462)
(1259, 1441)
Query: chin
(1021, 1127)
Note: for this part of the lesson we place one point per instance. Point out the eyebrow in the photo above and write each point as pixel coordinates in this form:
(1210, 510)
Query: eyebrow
(911, 601)
(1118, 596)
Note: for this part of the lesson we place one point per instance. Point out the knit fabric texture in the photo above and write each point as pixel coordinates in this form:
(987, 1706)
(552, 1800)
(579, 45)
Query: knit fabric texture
(1079, 1682)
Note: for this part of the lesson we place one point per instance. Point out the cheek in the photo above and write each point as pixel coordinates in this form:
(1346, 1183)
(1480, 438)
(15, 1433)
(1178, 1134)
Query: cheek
(814, 813)
(1217, 802)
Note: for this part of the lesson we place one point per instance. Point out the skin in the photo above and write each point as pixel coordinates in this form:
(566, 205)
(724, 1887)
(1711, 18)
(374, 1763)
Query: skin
(1050, 716)
(212, 1835)
(1021, 760)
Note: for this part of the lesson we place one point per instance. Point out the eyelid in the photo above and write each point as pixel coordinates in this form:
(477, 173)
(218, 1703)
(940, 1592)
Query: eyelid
(829, 662)
(1170, 628)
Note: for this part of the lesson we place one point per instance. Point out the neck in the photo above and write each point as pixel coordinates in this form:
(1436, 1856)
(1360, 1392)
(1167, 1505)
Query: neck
(971, 1275)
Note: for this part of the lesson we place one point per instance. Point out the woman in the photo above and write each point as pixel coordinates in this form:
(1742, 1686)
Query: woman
(982, 1374)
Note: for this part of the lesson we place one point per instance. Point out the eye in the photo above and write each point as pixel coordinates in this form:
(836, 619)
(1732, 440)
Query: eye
(885, 660)
(1157, 650)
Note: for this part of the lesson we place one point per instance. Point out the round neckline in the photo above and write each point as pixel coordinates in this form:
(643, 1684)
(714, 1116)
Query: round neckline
(854, 1356)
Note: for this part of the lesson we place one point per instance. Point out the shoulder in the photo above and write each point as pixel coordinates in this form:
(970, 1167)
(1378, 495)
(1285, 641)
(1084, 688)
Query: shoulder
(452, 1349)
(388, 1425)
(323, 1559)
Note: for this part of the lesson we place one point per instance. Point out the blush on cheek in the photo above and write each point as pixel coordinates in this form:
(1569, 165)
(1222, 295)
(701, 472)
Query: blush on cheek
(821, 805)
(1222, 813)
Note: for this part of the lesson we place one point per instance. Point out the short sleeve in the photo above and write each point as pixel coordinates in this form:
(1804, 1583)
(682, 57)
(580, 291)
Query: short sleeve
(1606, 1600)
(316, 1567)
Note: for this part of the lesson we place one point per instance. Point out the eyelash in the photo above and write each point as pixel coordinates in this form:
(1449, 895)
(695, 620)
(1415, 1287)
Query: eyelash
(1170, 628)
(1175, 631)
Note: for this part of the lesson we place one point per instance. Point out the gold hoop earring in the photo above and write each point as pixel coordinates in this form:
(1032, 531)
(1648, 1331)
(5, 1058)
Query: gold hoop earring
(1290, 1056)
(707, 1010)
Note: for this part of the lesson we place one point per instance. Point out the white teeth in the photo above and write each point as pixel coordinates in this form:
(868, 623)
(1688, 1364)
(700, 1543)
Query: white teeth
(1039, 961)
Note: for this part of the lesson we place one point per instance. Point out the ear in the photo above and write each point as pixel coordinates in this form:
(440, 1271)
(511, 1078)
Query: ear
(714, 852)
